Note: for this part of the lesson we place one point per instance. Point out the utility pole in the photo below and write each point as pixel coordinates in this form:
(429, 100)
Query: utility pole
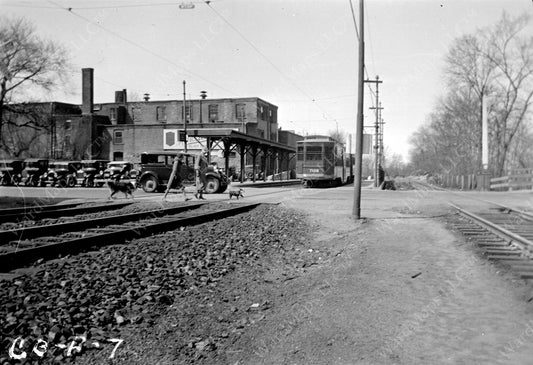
(378, 108)
(484, 135)
(184, 118)
(359, 125)
(381, 145)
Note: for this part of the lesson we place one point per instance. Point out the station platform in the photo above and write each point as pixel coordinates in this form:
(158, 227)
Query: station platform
(266, 184)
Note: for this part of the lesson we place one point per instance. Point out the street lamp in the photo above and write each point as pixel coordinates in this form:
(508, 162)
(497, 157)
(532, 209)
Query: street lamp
(203, 95)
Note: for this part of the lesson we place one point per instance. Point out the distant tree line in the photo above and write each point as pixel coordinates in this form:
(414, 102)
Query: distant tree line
(495, 63)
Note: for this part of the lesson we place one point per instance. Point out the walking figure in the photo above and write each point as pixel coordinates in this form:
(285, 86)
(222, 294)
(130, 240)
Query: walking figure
(200, 166)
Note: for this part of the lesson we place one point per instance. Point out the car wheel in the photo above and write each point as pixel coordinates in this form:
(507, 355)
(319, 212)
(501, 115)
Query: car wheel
(71, 182)
(212, 185)
(150, 184)
(62, 183)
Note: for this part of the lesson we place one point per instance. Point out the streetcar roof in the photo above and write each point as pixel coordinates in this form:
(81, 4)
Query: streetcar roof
(317, 139)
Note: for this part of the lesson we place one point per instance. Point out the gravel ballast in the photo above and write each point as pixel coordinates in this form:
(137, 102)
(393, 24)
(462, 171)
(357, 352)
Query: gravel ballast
(178, 297)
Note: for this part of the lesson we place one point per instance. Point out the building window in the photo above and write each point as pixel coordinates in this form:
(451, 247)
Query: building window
(136, 113)
(240, 112)
(161, 113)
(118, 156)
(188, 113)
(68, 124)
(117, 136)
(113, 113)
(270, 115)
(213, 113)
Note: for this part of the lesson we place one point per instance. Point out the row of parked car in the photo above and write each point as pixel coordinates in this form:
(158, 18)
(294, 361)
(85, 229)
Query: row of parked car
(152, 174)
(43, 172)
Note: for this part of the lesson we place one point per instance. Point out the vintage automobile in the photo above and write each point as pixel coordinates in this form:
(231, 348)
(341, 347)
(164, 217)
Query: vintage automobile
(118, 171)
(11, 171)
(156, 168)
(90, 171)
(62, 173)
(34, 169)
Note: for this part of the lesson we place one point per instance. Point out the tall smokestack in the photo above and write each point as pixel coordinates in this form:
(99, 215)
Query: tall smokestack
(87, 90)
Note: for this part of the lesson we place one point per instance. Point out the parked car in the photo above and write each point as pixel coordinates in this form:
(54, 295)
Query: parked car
(62, 173)
(156, 168)
(90, 171)
(119, 171)
(34, 169)
(11, 171)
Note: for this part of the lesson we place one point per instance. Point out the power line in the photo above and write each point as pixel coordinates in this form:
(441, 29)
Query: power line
(251, 44)
(354, 21)
(106, 6)
(141, 47)
(359, 39)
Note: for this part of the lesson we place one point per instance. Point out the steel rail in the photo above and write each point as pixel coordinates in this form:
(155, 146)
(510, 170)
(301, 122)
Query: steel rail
(23, 257)
(54, 229)
(501, 232)
(59, 211)
(23, 210)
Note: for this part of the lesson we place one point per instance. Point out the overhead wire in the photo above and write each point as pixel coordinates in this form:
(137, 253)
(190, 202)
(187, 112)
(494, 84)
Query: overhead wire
(19, 5)
(71, 10)
(251, 44)
(141, 47)
(359, 39)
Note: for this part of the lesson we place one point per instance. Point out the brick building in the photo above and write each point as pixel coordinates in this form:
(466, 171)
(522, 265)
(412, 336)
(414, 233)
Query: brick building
(121, 130)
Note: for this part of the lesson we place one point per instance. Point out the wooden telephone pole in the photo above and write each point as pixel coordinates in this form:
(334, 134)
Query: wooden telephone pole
(377, 148)
(359, 125)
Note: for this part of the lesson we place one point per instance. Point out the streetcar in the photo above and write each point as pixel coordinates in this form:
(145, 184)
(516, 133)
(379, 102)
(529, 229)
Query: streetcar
(322, 161)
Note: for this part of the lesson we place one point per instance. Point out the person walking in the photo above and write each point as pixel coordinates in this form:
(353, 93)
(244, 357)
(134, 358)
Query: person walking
(200, 166)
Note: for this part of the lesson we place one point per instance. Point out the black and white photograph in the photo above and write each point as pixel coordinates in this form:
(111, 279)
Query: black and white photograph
(277, 182)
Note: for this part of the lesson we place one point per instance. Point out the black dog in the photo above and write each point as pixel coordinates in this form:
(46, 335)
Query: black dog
(120, 186)
(236, 193)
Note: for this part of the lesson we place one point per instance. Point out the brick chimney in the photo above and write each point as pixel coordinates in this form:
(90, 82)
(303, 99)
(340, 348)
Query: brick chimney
(121, 96)
(87, 90)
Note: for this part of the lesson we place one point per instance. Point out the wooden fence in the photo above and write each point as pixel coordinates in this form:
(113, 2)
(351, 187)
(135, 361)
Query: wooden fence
(517, 179)
(463, 182)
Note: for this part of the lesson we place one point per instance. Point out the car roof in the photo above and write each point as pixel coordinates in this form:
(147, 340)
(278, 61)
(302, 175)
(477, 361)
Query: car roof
(167, 153)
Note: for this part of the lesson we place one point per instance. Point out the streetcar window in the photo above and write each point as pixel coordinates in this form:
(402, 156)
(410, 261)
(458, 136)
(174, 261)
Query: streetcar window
(300, 154)
(328, 153)
(313, 153)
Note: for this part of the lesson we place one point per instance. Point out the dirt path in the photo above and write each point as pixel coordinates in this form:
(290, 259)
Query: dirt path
(397, 289)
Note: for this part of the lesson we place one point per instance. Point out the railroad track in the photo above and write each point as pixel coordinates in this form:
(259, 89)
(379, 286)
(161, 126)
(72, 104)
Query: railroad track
(55, 211)
(24, 246)
(504, 235)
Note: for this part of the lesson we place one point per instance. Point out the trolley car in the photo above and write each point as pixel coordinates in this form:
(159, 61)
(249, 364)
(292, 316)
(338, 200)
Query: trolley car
(323, 161)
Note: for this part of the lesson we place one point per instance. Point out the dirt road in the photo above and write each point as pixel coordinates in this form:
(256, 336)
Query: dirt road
(397, 288)
(309, 285)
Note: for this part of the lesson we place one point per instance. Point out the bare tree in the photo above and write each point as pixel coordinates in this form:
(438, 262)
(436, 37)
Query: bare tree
(338, 135)
(27, 62)
(498, 62)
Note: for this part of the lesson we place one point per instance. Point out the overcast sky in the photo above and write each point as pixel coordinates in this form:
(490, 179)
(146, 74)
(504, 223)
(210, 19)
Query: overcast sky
(300, 55)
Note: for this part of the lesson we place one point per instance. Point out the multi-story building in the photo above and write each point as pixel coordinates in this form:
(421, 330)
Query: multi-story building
(122, 130)
(138, 126)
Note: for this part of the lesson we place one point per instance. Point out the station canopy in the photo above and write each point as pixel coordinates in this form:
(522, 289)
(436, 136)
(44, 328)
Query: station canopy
(232, 136)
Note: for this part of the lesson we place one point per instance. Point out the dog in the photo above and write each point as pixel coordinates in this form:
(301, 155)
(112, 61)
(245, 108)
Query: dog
(236, 193)
(120, 186)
